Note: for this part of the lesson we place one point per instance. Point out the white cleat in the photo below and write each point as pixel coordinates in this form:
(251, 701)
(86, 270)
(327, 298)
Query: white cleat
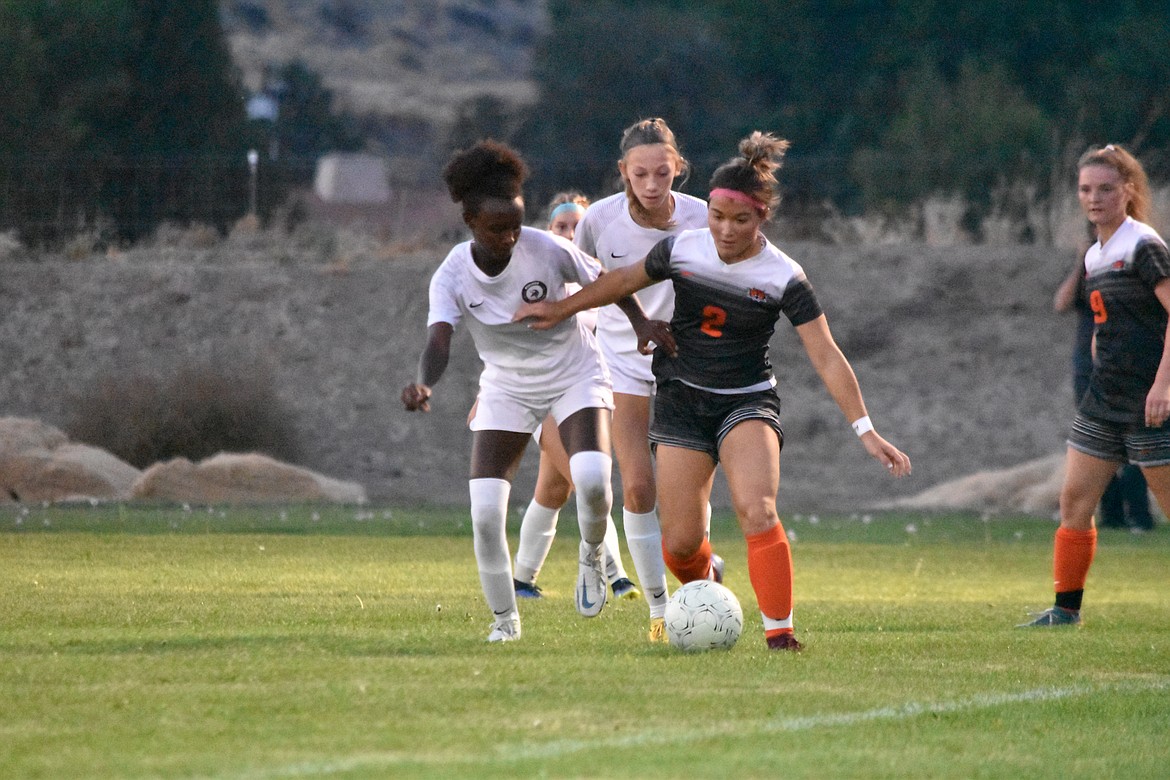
(591, 585)
(505, 630)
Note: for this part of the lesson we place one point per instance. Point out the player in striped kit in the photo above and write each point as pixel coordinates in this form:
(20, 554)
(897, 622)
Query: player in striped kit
(1123, 415)
(716, 400)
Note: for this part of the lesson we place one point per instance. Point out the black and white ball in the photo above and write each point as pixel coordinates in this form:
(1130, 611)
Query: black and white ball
(703, 615)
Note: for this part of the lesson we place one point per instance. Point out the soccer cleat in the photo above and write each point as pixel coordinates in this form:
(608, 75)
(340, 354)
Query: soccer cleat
(505, 630)
(591, 586)
(717, 568)
(785, 641)
(1141, 524)
(657, 630)
(624, 589)
(1053, 616)
(527, 590)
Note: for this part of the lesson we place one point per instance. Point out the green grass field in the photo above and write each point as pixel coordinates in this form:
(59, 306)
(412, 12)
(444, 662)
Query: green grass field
(349, 643)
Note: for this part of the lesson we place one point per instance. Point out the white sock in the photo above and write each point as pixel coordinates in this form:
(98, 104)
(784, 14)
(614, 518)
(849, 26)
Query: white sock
(537, 531)
(772, 624)
(489, 514)
(614, 570)
(707, 533)
(591, 472)
(644, 538)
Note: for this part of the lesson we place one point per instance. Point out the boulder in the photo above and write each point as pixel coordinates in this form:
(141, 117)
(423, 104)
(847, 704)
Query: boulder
(38, 463)
(241, 479)
(1031, 488)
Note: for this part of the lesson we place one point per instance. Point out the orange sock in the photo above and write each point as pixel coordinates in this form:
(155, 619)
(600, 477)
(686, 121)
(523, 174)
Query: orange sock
(696, 567)
(769, 559)
(1072, 553)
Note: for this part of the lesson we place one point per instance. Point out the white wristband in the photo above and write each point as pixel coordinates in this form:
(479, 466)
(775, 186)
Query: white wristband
(862, 425)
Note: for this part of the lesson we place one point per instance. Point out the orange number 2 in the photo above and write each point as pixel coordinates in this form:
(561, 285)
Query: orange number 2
(713, 319)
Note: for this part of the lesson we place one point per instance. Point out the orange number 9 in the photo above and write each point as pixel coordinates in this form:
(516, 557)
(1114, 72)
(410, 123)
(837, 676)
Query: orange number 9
(1097, 304)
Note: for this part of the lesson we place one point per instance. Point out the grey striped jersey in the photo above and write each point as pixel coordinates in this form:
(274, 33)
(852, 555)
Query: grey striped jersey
(725, 315)
(1130, 321)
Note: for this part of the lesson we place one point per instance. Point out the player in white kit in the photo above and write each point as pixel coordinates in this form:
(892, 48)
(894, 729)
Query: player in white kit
(527, 374)
(554, 484)
(620, 230)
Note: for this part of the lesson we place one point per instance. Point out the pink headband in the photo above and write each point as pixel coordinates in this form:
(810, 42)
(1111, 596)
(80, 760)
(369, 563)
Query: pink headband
(742, 197)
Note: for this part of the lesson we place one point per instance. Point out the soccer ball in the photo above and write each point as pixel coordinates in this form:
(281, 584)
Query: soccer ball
(703, 615)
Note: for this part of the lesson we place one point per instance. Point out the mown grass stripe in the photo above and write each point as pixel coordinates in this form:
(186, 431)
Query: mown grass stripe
(559, 748)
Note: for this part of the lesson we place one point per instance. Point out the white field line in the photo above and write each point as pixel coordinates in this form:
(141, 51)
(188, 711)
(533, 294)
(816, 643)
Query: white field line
(557, 748)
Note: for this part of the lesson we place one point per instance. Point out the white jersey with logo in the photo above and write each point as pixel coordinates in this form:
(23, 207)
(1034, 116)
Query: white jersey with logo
(609, 233)
(526, 363)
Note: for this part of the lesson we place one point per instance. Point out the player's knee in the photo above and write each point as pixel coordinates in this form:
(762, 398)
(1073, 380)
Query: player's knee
(638, 495)
(591, 471)
(757, 516)
(489, 513)
(681, 546)
(1077, 507)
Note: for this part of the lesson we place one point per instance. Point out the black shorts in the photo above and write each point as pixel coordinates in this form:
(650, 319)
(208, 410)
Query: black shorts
(1121, 442)
(695, 419)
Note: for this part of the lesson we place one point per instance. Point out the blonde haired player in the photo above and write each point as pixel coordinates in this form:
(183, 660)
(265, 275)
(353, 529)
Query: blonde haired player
(554, 483)
(619, 230)
(1124, 416)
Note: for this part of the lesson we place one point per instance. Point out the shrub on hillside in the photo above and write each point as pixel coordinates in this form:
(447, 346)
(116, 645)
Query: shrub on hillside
(196, 412)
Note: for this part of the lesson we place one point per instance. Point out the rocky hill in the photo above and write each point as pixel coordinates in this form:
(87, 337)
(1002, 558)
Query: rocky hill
(961, 359)
(407, 66)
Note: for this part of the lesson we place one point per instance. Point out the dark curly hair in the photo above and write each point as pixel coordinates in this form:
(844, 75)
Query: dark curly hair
(489, 169)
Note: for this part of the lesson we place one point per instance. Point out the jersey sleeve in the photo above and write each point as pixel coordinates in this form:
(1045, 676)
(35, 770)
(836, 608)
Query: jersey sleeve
(585, 236)
(1151, 260)
(800, 304)
(584, 267)
(658, 259)
(444, 305)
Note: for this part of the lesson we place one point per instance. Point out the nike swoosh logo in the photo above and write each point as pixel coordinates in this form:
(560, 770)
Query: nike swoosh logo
(616, 256)
(500, 614)
(585, 602)
(475, 305)
(658, 595)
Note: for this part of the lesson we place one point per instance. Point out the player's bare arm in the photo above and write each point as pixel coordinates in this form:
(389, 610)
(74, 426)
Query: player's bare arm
(431, 365)
(838, 377)
(1158, 399)
(610, 287)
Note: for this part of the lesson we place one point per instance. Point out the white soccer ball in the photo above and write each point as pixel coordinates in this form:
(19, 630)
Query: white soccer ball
(703, 615)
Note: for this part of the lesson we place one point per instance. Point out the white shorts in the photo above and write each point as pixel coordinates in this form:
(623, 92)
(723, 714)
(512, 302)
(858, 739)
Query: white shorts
(500, 411)
(630, 373)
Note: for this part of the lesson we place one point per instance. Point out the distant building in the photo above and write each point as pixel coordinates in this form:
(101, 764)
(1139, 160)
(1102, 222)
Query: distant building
(263, 106)
(360, 179)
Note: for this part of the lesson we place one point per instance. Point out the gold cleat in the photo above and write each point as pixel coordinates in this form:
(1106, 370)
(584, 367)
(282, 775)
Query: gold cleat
(657, 630)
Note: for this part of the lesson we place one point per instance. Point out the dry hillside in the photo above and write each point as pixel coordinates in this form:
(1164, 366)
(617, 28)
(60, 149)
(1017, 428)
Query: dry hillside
(411, 59)
(960, 357)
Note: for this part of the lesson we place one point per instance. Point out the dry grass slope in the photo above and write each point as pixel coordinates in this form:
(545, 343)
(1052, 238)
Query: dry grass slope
(961, 359)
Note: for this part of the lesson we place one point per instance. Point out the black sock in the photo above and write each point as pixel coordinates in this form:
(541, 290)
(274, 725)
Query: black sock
(1070, 599)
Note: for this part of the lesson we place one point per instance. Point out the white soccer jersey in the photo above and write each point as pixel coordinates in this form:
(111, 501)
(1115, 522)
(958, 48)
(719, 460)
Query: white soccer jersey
(609, 233)
(530, 364)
